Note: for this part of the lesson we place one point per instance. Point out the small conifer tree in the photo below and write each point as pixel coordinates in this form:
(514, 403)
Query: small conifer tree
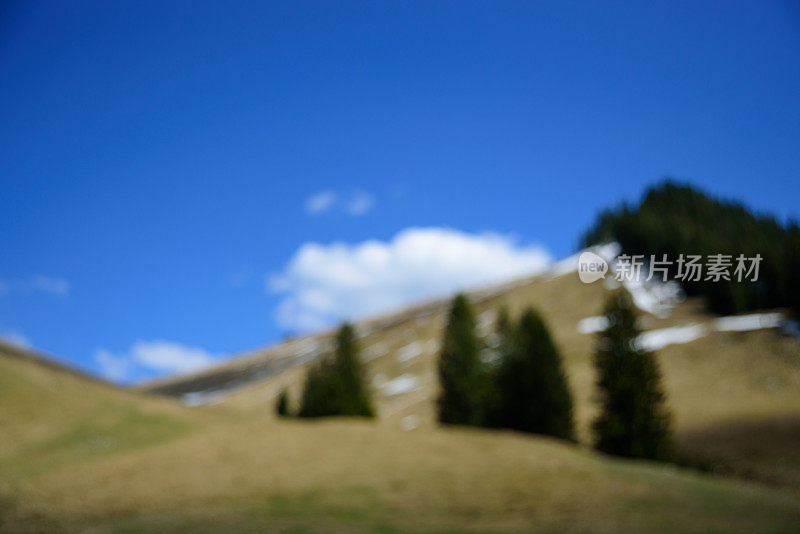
(462, 376)
(354, 394)
(320, 393)
(633, 419)
(282, 405)
(505, 340)
(531, 384)
(336, 385)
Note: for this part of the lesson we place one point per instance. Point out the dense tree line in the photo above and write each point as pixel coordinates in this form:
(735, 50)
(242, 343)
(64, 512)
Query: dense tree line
(462, 374)
(676, 219)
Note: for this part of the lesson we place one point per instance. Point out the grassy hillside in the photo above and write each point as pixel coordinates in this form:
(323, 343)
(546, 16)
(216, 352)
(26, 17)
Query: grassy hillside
(52, 416)
(79, 455)
(346, 476)
(735, 396)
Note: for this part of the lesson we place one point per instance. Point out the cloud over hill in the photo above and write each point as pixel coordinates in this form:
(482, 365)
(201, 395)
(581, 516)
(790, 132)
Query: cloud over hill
(323, 284)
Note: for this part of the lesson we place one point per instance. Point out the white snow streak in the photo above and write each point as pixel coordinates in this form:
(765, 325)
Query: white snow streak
(412, 350)
(402, 384)
(658, 339)
(591, 325)
(203, 398)
(754, 321)
(655, 298)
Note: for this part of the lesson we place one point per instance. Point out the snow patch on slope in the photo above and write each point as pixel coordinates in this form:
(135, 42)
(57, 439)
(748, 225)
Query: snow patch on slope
(753, 321)
(591, 325)
(658, 339)
(408, 352)
(203, 398)
(375, 351)
(655, 298)
(402, 384)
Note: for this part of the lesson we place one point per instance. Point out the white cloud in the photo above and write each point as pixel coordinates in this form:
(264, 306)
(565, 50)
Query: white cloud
(360, 203)
(152, 357)
(323, 284)
(36, 284)
(320, 202)
(357, 203)
(171, 357)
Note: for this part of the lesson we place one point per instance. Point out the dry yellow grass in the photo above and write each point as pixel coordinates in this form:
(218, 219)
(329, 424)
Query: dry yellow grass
(721, 387)
(354, 476)
(77, 455)
(51, 416)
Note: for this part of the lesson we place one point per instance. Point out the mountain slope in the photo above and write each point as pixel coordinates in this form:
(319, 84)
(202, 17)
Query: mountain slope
(347, 476)
(52, 415)
(78, 455)
(724, 387)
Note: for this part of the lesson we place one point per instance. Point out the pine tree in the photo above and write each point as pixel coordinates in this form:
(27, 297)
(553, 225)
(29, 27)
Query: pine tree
(531, 385)
(282, 406)
(462, 376)
(336, 386)
(505, 336)
(355, 397)
(320, 393)
(633, 419)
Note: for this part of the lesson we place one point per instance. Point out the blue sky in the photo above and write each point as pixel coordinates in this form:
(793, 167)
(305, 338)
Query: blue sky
(184, 180)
